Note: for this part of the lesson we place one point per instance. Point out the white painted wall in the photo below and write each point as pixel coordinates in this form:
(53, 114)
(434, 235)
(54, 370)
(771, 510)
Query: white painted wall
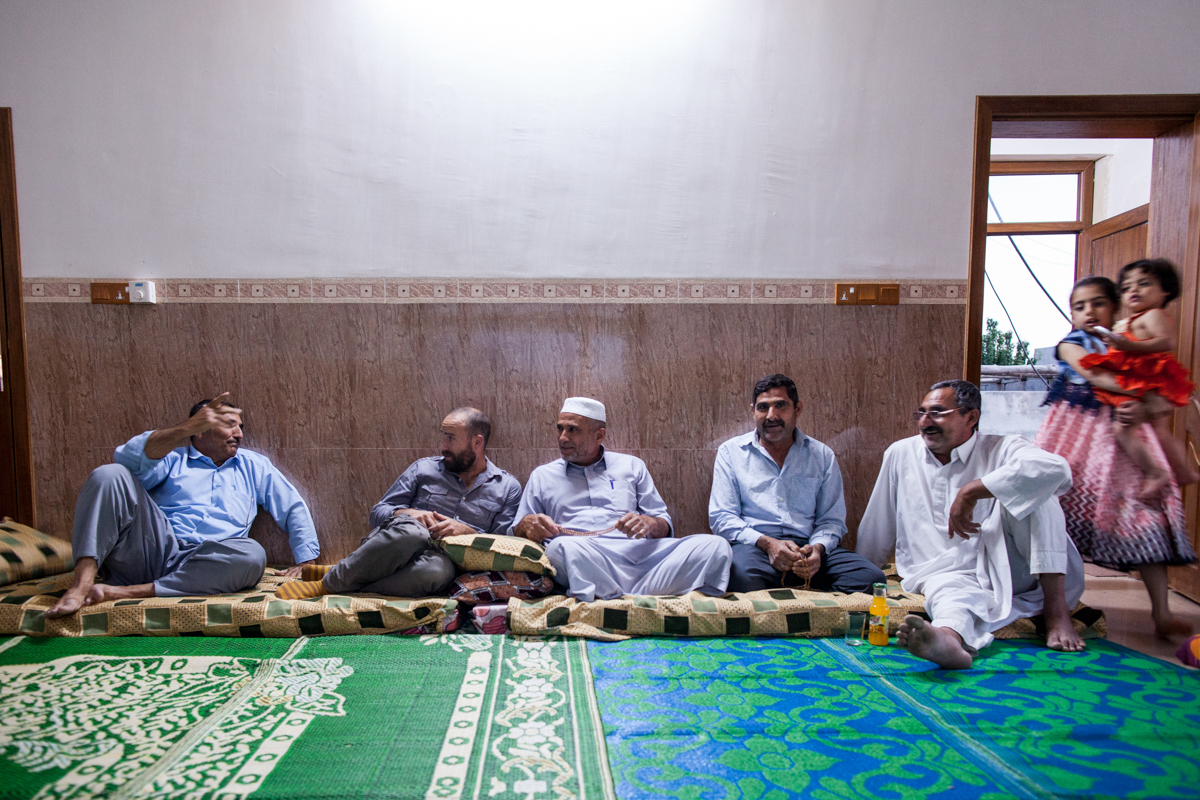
(675, 138)
(1123, 167)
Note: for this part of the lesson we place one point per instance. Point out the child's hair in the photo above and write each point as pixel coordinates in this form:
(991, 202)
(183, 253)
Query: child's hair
(1104, 284)
(1160, 269)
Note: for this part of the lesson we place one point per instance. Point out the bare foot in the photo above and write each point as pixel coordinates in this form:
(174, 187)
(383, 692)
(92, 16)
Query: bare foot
(942, 646)
(1168, 625)
(1061, 635)
(1153, 486)
(72, 601)
(103, 592)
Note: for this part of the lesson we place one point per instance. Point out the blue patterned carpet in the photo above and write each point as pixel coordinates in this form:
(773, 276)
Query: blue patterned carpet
(773, 719)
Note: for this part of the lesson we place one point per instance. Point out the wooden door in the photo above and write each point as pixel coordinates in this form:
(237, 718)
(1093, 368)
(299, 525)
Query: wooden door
(16, 464)
(1174, 233)
(1109, 245)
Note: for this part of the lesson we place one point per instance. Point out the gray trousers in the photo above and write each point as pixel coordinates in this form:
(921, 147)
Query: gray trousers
(396, 559)
(119, 524)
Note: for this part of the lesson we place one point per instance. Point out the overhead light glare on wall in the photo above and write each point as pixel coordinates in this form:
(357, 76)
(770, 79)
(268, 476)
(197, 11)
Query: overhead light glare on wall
(531, 28)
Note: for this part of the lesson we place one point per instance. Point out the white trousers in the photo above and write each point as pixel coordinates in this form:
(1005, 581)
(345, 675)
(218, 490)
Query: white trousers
(614, 565)
(981, 589)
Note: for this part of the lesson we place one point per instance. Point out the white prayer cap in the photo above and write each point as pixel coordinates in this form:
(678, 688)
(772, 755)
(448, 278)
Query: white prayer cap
(584, 407)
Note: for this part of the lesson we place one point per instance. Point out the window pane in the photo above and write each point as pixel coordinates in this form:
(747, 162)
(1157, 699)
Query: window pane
(1033, 198)
(1052, 259)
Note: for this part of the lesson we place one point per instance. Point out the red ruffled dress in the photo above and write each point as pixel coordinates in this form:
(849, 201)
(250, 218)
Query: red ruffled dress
(1108, 523)
(1140, 373)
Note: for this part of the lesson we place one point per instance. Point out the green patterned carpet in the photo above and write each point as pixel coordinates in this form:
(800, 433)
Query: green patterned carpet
(770, 719)
(341, 717)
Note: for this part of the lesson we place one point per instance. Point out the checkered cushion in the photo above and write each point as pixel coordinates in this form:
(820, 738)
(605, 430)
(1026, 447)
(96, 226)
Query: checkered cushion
(774, 612)
(472, 588)
(484, 552)
(252, 613)
(26, 553)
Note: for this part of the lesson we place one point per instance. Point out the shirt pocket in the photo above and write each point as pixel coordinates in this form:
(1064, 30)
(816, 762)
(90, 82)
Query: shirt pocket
(624, 496)
(480, 513)
(432, 497)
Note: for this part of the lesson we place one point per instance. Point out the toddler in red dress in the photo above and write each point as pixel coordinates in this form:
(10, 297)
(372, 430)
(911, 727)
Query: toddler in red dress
(1141, 357)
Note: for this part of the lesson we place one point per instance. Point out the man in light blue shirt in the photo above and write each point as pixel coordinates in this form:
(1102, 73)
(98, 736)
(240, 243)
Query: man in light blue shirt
(777, 497)
(171, 516)
(591, 490)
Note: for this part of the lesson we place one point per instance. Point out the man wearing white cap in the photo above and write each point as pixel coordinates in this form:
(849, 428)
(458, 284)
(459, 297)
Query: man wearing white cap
(611, 495)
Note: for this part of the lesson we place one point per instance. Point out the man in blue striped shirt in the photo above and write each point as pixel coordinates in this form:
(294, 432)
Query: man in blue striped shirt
(777, 497)
(170, 517)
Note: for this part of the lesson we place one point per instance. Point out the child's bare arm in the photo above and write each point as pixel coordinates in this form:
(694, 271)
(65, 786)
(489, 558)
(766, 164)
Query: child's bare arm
(1100, 378)
(1155, 332)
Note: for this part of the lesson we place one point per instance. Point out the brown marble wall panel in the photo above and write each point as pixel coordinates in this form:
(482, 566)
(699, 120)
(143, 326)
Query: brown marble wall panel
(342, 397)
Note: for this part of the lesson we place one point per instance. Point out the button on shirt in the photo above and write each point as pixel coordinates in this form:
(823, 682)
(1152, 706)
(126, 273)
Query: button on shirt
(910, 505)
(204, 502)
(487, 506)
(752, 496)
(594, 497)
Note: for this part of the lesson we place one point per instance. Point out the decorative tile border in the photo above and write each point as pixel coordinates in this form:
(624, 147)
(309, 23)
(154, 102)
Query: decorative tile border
(492, 290)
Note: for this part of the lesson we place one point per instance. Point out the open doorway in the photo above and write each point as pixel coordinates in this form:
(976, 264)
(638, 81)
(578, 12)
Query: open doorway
(1168, 227)
(1045, 199)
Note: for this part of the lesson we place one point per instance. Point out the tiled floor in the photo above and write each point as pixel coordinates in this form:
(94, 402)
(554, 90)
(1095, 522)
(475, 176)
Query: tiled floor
(1127, 608)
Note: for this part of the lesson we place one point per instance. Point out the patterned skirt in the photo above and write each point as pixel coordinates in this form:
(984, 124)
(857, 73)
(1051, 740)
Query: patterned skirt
(1109, 525)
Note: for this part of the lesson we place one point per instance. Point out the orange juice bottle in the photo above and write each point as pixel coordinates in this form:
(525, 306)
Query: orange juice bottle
(879, 616)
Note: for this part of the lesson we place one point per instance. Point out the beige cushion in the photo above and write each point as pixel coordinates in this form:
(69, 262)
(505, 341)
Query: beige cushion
(481, 552)
(26, 553)
(252, 613)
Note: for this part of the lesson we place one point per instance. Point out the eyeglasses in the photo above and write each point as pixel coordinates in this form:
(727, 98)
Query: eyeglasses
(936, 416)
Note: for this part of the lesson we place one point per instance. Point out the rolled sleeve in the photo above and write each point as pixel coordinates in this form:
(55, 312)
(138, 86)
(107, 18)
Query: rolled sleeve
(1028, 477)
(132, 456)
(285, 505)
(725, 504)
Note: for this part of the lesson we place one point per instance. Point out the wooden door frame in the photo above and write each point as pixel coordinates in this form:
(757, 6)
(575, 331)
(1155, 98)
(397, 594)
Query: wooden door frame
(1050, 117)
(16, 383)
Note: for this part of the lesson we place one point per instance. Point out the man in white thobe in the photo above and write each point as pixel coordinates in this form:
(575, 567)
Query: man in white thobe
(977, 529)
(592, 489)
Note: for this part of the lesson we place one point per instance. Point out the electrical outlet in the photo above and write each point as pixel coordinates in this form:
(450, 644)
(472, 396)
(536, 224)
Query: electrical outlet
(110, 293)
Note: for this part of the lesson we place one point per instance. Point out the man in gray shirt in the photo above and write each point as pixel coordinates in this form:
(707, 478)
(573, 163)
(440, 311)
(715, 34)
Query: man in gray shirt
(459, 492)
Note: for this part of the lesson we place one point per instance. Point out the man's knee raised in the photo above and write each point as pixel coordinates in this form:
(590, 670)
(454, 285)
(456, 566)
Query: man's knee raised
(109, 475)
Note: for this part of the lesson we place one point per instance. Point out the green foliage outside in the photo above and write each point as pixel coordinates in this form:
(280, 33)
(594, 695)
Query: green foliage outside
(998, 348)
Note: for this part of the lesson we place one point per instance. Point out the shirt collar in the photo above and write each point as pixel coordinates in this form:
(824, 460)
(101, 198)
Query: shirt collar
(596, 465)
(798, 438)
(490, 470)
(962, 453)
(194, 454)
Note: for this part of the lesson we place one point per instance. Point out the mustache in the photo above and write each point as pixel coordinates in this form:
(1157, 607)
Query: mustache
(773, 424)
(931, 429)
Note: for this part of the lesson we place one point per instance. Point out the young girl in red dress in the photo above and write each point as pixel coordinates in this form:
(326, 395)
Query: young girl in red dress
(1141, 357)
(1106, 517)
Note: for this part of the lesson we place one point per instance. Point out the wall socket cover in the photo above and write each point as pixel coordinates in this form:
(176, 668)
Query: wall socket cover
(142, 292)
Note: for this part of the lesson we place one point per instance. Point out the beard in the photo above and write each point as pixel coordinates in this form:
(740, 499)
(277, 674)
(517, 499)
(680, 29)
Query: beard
(458, 462)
